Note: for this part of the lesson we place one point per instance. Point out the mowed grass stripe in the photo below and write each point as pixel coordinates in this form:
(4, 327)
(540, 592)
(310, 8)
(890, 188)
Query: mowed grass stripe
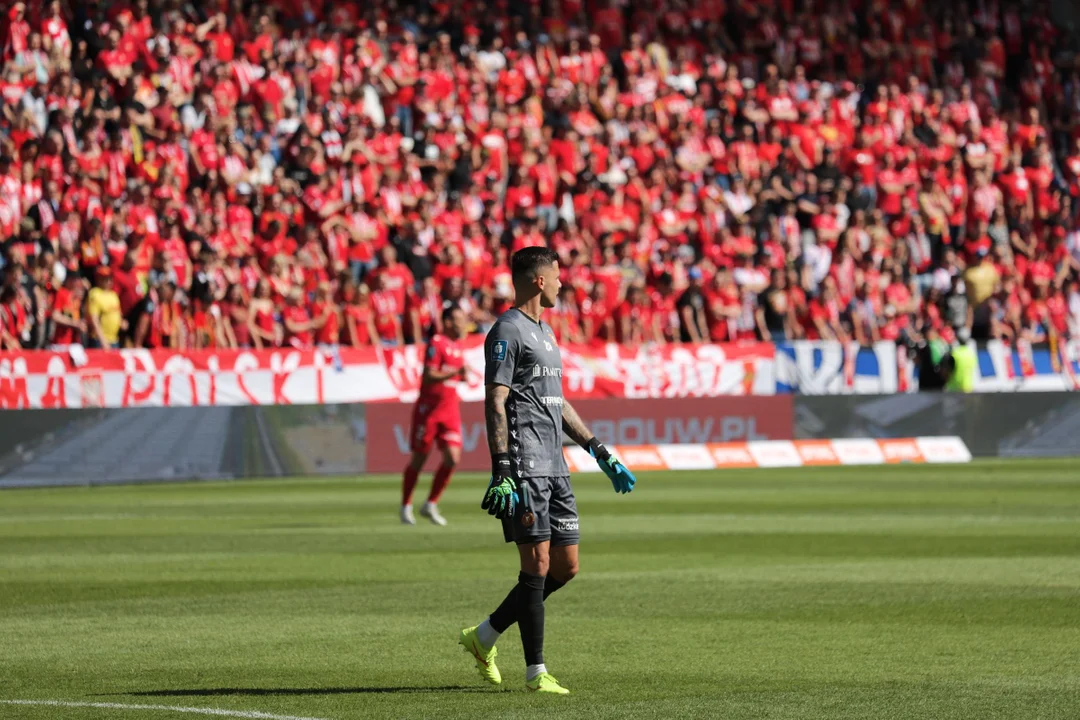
(898, 592)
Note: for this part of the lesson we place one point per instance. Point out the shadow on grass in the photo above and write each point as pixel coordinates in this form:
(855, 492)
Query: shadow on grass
(209, 692)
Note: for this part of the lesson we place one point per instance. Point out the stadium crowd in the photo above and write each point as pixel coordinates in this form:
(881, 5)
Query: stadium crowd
(297, 172)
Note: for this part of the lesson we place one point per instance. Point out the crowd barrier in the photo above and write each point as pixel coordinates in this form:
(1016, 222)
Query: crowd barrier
(230, 378)
(117, 445)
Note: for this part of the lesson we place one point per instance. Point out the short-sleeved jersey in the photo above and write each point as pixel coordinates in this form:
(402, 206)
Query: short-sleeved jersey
(442, 354)
(522, 355)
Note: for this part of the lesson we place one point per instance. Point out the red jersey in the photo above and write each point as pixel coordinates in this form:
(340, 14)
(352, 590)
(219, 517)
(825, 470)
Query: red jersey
(443, 355)
(360, 315)
(299, 315)
(387, 310)
(328, 334)
(66, 302)
(397, 280)
(426, 308)
(721, 327)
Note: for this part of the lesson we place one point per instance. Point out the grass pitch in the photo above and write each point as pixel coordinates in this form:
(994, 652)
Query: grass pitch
(899, 592)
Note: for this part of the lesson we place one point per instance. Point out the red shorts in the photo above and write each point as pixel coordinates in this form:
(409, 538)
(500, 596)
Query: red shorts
(435, 423)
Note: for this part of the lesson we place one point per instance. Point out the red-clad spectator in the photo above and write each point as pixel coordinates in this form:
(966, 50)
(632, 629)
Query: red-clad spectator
(450, 265)
(723, 306)
(127, 285)
(167, 329)
(14, 323)
(635, 322)
(392, 277)
(16, 32)
(387, 310)
(236, 313)
(304, 141)
(299, 325)
(66, 312)
(263, 322)
(326, 314)
(597, 321)
(360, 319)
(207, 327)
(662, 299)
(423, 309)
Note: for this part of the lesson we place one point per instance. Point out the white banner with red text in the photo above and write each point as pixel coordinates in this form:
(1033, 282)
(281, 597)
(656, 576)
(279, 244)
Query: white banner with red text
(222, 378)
(229, 378)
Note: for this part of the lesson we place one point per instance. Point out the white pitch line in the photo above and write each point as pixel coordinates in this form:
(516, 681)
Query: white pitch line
(251, 714)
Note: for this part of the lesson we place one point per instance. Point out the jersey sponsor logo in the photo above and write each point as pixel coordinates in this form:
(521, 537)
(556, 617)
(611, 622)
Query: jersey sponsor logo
(545, 371)
(569, 524)
(498, 350)
(551, 400)
(547, 345)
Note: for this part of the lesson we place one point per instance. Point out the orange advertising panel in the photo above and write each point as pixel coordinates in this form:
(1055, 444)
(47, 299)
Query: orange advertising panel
(817, 452)
(901, 450)
(731, 455)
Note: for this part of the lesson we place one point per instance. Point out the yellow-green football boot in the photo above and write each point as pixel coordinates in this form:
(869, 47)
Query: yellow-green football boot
(545, 683)
(485, 657)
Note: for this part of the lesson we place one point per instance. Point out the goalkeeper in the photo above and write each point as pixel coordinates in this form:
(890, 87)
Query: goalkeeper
(530, 487)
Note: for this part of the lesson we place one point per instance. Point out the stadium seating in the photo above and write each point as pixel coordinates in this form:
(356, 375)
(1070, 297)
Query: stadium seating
(238, 173)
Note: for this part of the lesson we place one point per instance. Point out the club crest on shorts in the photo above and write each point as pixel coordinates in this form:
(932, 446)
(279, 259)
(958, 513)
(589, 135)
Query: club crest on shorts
(528, 519)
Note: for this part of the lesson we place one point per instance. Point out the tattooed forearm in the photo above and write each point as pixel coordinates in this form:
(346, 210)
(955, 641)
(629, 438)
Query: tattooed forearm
(495, 414)
(574, 426)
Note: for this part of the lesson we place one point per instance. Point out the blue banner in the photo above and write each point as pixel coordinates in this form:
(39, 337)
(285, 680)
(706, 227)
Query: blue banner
(832, 368)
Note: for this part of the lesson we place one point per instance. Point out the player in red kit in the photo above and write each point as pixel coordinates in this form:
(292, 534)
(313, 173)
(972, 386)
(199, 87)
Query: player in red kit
(437, 416)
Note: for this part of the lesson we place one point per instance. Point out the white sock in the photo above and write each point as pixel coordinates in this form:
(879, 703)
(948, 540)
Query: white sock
(533, 670)
(486, 634)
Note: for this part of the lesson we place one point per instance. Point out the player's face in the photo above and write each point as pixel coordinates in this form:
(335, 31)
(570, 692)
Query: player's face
(549, 283)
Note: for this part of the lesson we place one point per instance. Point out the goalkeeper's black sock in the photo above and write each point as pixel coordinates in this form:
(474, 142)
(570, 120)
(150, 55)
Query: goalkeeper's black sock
(551, 585)
(506, 614)
(530, 615)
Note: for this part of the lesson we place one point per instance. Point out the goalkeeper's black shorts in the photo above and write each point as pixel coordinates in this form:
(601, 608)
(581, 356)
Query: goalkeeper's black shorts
(551, 514)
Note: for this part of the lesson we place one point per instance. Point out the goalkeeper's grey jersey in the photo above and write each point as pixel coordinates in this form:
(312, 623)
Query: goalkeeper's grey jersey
(522, 355)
